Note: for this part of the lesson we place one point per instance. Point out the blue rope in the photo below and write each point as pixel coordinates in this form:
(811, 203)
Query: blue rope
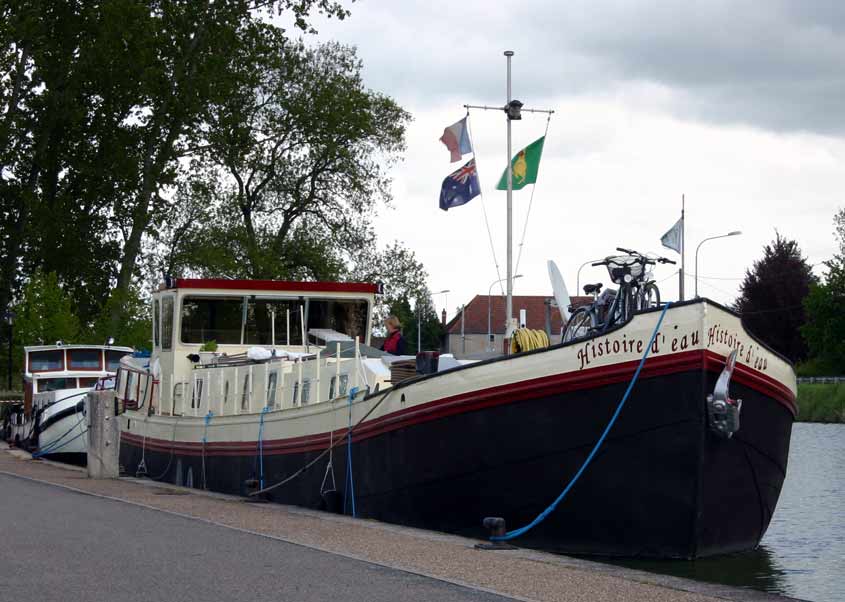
(52, 448)
(261, 447)
(350, 481)
(55, 443)
(207, 421)
(542, 516)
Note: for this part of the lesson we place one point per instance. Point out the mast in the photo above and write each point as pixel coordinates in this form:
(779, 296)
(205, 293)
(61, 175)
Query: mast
(513, 111)
(509, 302)
(682, 272)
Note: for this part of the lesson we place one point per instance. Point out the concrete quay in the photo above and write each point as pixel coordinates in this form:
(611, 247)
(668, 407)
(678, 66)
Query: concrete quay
(67, 537)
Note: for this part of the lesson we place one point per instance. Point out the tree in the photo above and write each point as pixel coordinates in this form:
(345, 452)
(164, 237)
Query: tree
(298, 162)
(772, 295)
(824, 331)
(100, 104)
(44, 315)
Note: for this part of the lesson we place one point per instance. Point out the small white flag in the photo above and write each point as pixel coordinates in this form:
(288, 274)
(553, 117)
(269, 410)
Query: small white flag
(672, 239)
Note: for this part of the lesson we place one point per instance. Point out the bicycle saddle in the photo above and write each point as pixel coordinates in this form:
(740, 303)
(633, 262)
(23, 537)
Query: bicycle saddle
(592, 288)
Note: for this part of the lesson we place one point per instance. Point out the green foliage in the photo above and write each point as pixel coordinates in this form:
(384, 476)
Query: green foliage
(421, 315)
(209, 346)
(824, 331)
(821, 402)
(772, 295)
(44, 315)
(134, 326)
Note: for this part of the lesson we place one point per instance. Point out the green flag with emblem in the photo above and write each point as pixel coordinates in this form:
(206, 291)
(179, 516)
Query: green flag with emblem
(525, 165)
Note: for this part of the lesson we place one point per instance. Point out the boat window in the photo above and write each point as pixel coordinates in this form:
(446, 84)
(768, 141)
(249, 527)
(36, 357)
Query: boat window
(196, 398)
(226, 392)
(263, 314)
(113, 360)
(167, 322)
(88, 382)
(212, 319)
(245, 395)
(56, 384)
(348, 316)
(44, 361)
(178, 389)
(344, 383)
(84, 359)
(332, 385)
(306, 390)
(156, 332)
(271, 389)
(295, 393)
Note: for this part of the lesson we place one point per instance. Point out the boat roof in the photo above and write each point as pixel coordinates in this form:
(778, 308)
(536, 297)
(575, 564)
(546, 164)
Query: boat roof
(273, 285)
(77, 346)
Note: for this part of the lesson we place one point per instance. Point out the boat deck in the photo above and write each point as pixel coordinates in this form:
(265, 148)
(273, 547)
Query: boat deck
(300, 554)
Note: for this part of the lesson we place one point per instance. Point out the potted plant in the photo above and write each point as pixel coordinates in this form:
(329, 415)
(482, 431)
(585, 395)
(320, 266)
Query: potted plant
(208, 352)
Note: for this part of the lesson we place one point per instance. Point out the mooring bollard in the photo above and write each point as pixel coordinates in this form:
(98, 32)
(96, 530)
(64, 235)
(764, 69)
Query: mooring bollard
(103, 435)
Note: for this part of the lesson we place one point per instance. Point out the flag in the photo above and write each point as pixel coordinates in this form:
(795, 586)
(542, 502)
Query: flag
(460, 187)
(672, 239)
(525, 165)
(456, 139)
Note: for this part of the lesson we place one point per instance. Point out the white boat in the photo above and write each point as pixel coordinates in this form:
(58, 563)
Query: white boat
(56, 379)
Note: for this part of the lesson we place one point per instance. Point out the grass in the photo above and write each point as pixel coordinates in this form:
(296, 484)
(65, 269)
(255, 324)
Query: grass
(821, 403)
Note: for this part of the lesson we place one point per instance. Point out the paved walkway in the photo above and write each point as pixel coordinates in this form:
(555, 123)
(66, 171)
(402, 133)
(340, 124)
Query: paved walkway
(138, 540)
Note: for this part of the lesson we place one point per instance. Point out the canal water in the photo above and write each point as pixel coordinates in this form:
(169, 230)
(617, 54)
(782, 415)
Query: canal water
(803, 552)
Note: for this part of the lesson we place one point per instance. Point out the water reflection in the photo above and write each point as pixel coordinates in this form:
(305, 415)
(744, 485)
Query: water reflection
(803, 552)
(758, 569)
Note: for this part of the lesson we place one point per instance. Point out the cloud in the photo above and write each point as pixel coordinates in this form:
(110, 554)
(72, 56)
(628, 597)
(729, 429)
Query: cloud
(773, 65)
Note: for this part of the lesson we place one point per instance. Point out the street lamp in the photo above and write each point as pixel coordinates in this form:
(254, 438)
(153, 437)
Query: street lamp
(490, 292)
(419, 318)
(9, 316)
(734, 233)
(578, 276)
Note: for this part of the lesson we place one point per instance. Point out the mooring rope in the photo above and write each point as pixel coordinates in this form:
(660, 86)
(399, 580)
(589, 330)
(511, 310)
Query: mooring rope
(551, 508)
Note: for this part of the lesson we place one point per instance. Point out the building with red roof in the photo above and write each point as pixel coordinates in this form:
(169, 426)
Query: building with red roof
(467, 333)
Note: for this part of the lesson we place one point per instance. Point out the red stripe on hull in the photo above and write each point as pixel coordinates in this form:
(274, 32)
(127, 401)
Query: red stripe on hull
(493, 396)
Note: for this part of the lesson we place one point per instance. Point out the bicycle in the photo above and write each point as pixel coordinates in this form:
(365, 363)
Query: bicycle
(637, 292)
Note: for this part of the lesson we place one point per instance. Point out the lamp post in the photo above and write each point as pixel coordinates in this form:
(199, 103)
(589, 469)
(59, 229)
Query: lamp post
(419, 319)
(578, 276)
(9, 316)
(734, 233)
(489, 293)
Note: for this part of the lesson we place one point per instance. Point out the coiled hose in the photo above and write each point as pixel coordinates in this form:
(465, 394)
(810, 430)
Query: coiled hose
(526, 339)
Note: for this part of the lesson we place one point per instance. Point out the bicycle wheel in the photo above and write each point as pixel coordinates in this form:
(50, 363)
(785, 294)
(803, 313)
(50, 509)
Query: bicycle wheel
(649, 296)
(580, 323)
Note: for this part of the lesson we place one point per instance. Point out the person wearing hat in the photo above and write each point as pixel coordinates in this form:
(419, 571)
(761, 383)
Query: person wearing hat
(395, 342)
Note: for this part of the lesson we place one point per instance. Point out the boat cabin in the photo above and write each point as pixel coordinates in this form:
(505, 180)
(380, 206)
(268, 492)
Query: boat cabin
(59, 367)
(294, 319)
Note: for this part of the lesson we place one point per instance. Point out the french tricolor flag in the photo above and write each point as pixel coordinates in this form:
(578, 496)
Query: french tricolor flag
(456, 139)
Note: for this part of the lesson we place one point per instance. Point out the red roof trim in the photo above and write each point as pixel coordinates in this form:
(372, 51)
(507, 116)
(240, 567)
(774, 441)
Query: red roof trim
(277, 285)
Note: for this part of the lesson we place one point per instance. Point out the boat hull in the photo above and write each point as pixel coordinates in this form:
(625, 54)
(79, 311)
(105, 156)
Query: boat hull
(445, 451)
(62, 434)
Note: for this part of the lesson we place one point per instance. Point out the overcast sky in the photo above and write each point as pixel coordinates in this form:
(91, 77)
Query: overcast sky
(737, 105)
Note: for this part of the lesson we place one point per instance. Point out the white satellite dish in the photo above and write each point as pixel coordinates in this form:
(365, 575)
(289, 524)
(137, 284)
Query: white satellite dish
(560, 292)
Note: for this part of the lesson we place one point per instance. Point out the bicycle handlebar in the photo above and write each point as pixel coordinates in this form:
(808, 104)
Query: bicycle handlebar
(628, 251)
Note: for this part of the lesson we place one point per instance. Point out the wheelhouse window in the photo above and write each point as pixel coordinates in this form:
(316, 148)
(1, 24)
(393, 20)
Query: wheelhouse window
(113, 360)
(212, 319)
(271, 389)
(85, 359)
(156, 331)
(267, 316)
(46, 361)
(88, 382)
(167, 322)
(56, 384)
(348, 316)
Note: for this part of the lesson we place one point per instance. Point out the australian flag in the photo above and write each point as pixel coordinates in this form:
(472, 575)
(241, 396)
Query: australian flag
(460, 187)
